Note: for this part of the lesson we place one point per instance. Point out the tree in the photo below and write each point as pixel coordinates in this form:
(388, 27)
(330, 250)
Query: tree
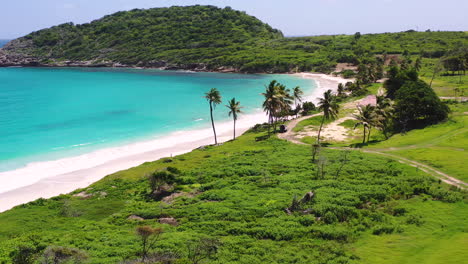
(340, 90)
(366, 119)
(202, 249)
(277, 101)
(330, 108)
(418, 64)
(417, 105)
(357, 36)
(396, 79)
(149, 237)
(214, 98)
(270, 105)
(234, 109)
(384, 115)
(297, 95)
(437, 69)
(158, 180)
(307, 107)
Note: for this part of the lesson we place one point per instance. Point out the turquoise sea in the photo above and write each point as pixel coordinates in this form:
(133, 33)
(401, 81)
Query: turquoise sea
(51, 113)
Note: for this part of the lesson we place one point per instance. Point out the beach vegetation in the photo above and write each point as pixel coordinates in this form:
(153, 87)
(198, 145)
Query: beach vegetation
(214, 98)
(234, 110)
(330, 108)
(234, 197)
(308, 108)
(367, 119)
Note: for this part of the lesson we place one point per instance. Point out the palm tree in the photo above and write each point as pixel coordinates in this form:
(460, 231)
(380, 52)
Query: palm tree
(340, 90)
(234, 110)
(270, 102)
(330, 108)
(384, 114)
(273, 101)
(297, 96)
(214, 98)
(285, 101)
(366, 119)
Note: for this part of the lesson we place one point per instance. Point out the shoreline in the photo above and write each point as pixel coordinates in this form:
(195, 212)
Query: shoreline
(69, 174)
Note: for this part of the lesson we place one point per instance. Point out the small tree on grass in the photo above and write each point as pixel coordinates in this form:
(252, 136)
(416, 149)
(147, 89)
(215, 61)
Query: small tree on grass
(202, 249)
(148, 237)
(343, 160)
(330, 108)
(214, 98)
(366, 119)
(384, 115)
(297, 95)
(159, 182)
(234, 109)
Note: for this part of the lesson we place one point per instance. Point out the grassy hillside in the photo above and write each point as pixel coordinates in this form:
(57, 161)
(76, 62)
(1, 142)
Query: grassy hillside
(237, 194)
(442, 146)
(210, 38)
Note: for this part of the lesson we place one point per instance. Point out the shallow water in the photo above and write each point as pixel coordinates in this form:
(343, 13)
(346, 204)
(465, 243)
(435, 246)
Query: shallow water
(51, 113)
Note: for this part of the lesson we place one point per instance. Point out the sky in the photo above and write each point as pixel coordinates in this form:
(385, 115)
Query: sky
(292, 17)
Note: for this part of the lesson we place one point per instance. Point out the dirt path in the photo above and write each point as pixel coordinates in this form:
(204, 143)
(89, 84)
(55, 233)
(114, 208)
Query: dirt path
(426, 168)
(291, 136)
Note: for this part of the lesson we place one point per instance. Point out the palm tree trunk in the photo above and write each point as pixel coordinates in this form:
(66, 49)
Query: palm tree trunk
(212, 124)
(364, 137)
(234, 128)
(368, 134)
(295, 110)
(320, 130)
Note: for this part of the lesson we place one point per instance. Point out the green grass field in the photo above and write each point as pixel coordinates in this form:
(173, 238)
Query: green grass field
(237, 193)
(444, 83)
(442, 146)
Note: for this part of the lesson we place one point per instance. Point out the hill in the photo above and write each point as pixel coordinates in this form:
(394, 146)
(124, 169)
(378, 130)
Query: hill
(210, 39)
(233, 199)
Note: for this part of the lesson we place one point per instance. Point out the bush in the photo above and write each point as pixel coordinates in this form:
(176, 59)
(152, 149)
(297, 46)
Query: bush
(58, 255)
(385, 229)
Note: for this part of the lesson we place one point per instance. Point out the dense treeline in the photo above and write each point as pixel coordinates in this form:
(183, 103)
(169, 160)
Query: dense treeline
(209, 38)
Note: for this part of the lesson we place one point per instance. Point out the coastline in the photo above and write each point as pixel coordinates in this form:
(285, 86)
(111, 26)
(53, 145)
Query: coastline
(69, 174)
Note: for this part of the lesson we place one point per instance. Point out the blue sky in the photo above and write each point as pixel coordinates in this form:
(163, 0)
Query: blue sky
(293, 17)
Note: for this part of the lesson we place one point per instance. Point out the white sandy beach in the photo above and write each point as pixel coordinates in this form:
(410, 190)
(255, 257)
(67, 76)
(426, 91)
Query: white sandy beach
(65, 175)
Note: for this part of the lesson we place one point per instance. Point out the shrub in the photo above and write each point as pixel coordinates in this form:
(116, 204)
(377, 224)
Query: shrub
(58, 255)
(385, 229)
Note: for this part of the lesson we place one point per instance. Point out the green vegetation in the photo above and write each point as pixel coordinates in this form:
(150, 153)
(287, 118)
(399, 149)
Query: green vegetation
(214, 98)
(259, 199)
(277, 103)
(234, 110)
(330, 107)
(444, 83)
(312, 121)
(442, 146)
(210, 38)
(242, 195)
